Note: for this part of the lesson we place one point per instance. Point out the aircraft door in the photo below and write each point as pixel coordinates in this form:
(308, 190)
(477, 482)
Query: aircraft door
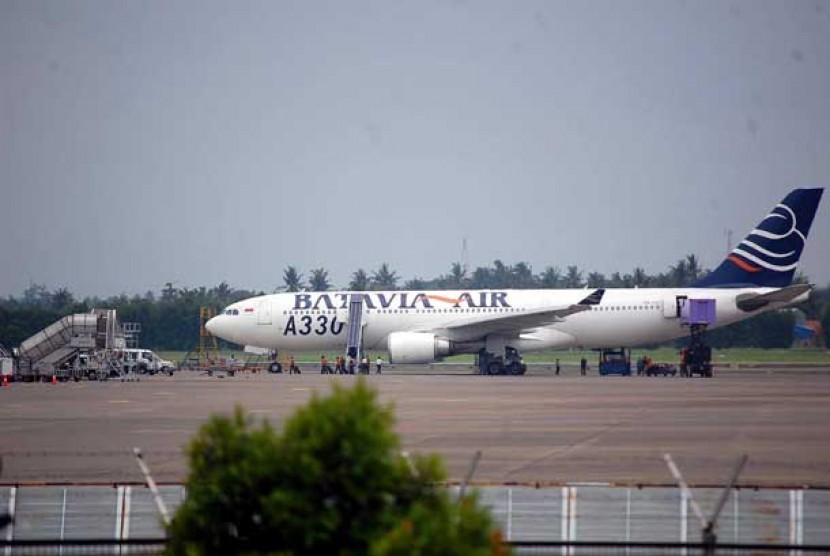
(264, 313)
(673, 306)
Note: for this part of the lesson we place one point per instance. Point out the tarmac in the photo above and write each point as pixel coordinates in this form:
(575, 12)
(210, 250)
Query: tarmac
(537, 429)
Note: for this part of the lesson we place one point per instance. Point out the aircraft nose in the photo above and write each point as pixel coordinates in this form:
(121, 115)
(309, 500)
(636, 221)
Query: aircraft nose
(213, 326)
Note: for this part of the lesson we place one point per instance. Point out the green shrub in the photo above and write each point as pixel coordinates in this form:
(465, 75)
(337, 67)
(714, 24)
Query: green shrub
(332, 482)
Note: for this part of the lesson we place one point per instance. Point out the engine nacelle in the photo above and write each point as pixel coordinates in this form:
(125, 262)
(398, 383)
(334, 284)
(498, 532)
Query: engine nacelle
(416, 347)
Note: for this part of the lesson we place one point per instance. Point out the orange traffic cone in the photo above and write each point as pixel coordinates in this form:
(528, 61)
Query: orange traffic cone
(54, 379)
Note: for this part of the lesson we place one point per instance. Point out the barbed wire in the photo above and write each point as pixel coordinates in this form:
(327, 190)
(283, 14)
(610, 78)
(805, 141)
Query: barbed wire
(88, 453)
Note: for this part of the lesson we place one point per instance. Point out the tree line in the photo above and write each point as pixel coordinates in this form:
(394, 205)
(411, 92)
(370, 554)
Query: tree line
(498, 275)
(169, 318)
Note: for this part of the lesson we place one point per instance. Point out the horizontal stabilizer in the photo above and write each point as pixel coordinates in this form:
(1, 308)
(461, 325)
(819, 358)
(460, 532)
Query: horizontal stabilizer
(752, 302)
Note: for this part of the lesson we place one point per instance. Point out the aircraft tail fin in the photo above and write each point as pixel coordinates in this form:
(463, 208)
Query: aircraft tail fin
(769, 254)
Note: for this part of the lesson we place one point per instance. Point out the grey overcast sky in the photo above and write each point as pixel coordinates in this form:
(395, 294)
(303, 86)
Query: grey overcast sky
(193, 142)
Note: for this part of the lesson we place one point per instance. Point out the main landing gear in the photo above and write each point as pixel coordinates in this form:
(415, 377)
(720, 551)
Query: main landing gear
(697, 358)
(509, 364)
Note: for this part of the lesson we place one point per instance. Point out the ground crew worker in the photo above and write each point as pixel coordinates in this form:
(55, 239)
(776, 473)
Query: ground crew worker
(351, 365)
(292, 366)
(583, 366)
(557, 367)
(379, 363)
(324, 365)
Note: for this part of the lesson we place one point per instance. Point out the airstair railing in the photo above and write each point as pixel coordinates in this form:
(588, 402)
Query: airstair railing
(355, 332)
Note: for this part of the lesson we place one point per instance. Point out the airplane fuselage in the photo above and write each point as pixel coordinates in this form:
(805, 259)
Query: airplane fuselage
(420, 326)
(319, 320)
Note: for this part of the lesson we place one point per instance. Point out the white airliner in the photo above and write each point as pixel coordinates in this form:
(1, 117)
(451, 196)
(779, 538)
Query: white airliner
(422, 326)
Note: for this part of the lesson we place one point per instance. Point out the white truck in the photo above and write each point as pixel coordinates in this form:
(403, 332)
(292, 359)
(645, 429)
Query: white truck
(145, 361)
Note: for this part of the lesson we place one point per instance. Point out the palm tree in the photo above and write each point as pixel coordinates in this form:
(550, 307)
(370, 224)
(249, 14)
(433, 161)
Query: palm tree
(458, 277)
(384, 278)
(360, 281)
(639, 278)
(482, 278)
(596, 280)
(693, 267)
(36, 294)
(616, 280)
(680, 273)
(415, 284)
(62, 298)
(573, 278)
(501, 275)
(551, 277)
(522, 276)
(221, 293)
(169, 292)
(293, 279)
(319, 280)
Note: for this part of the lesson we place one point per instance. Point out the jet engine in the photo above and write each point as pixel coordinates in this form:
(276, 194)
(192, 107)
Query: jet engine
(416, 347)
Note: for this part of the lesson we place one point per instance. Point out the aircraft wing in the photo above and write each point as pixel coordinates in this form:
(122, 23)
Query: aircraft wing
(753, 301)
(515, 324)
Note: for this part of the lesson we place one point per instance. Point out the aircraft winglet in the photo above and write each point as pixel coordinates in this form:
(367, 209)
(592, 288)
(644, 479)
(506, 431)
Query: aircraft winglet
(594, 298)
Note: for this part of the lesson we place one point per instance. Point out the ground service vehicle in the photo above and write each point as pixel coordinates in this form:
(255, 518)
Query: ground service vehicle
(145, 361)
(615, 361)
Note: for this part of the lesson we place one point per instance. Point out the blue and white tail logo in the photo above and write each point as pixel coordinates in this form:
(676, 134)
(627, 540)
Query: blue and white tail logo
(768, 256)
